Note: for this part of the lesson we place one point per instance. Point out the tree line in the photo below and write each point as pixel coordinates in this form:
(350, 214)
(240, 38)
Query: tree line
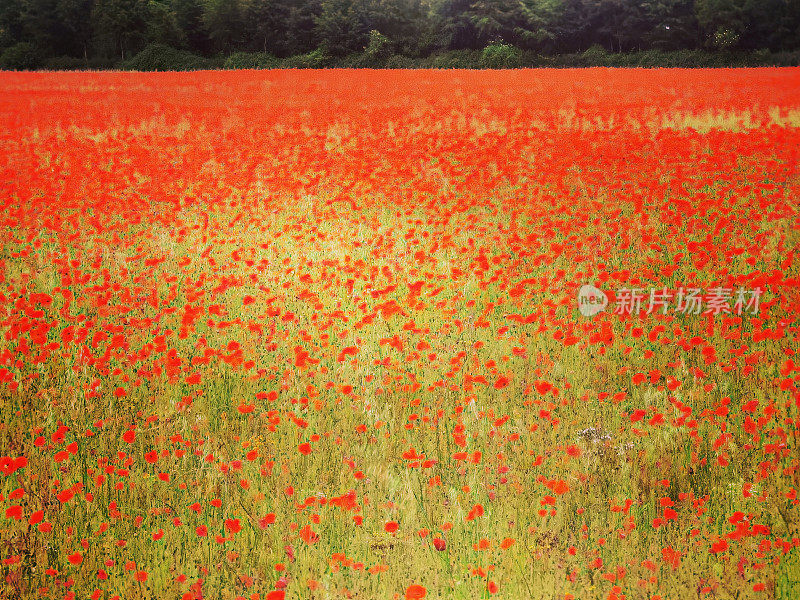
(118, 29)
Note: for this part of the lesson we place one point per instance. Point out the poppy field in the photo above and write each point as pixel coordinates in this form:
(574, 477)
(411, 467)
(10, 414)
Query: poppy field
(318, 334)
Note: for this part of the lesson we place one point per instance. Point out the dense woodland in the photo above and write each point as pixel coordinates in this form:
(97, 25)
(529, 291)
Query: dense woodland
(115, 30)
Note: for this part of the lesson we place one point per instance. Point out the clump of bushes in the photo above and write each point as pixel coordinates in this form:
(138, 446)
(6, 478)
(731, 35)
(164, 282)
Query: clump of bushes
(21, 57)
(455, 59)
(73, 63)
(160, 57)
(381, 52)
(378, 51)
(252, 60)
(501, 56)
(316, 59)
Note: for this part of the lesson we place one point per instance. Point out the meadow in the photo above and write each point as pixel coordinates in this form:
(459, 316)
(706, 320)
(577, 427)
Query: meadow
(316, 334)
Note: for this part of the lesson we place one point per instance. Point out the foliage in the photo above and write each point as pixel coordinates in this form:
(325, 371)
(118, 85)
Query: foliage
(224, 23)
(417, 29)
(398, 61)
(341, 27)
(119, 27)
(251, 60)
(158, 57)
(191, 27)
(379, 47)
(267, 26)
(455, 59)
(317, 59)
(72, 63)
(596, 55)
(501, 56)
(20, 57)
(65, 63)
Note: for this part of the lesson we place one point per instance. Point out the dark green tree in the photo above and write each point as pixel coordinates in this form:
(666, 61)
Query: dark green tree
(618, 25)
(301, 35)
(404, 23)
(162, 26)
(791, 26)
(456, 25)
(42, 26)
(76, 20)
(498, 21)
(767, 23)
(58, 27)
(119, 27)
(672, 24)
(224, 22)
(267, 26)
(722, 22)
(569, 23)
(342, 27)
(11, 23)
(192, 33)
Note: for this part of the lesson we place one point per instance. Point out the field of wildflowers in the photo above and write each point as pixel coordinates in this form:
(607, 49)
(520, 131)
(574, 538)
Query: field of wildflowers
(318, 334)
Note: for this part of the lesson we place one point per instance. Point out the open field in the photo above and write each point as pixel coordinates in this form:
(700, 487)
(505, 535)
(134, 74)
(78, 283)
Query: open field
(316, 334)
